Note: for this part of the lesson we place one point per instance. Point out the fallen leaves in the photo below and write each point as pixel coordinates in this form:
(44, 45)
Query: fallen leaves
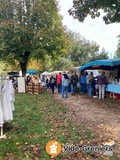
(33, 149)
(37, 123)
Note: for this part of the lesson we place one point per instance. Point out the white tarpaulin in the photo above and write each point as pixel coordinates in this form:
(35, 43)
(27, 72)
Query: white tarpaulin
(21, 85)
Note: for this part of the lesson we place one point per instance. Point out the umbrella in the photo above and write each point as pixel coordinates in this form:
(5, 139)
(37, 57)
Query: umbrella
(32, 71)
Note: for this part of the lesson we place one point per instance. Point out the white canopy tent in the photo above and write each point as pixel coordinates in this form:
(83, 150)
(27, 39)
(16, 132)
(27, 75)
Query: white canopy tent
(45, 73)
(55, 72)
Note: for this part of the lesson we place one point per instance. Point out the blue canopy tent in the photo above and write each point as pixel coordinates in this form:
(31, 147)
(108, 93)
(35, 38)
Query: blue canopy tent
(105, 64)
(32, 71)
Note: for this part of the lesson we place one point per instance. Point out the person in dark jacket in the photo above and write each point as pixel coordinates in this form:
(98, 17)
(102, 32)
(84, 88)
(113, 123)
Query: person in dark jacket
(52, 83)
(93, 88)
(101, 82)
(73, 81)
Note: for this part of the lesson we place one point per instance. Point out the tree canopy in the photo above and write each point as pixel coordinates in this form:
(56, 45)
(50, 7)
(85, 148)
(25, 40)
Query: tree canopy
(29, 28)
(118, 48)
(82, 8)
(79, 52)
(82, 50)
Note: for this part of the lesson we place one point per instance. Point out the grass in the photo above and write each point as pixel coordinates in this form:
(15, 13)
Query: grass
(37, 120)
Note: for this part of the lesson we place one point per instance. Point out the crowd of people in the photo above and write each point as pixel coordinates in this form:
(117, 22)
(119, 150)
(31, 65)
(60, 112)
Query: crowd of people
(70, 83)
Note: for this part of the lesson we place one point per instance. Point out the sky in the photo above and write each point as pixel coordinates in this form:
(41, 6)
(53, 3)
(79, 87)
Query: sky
(92, 29)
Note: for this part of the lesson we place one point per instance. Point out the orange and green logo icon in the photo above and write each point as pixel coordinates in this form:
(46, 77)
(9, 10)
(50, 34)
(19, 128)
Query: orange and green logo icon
(53, 148)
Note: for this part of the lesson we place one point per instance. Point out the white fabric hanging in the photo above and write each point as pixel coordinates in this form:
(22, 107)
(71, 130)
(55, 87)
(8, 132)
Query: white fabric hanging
(6, 102)
(7, 98)
(12, 94)
(1, 117)
(1, 114)
(1, 111)
(1, 120)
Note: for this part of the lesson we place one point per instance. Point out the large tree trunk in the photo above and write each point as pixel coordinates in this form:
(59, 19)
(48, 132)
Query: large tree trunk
(23, 63)
(23, 66)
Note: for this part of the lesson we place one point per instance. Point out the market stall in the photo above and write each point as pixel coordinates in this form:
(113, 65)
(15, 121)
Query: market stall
(113, 88)
(112, 65)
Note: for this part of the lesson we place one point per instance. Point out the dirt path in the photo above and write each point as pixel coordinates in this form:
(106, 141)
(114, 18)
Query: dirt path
(100, 116)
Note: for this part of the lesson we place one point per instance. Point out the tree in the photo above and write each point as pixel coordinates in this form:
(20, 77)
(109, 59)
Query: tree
(102, 55)
(29, 28)
(82, 51)
(62, 63)
(82, 8)
(47, 64)
(34, 64)
(4, 68)
(118, 48)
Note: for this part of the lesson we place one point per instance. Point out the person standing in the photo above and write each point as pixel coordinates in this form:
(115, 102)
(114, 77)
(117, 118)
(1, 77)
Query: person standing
(59, 82)
(101, 82)
(73, 81)
(83, 82)
(93, 88)
(89, 87)
(65, 83)
(48, 82)
(52, 84)
(69, 86)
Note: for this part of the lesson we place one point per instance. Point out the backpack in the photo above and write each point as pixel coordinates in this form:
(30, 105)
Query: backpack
(65, 76)
(52, 80)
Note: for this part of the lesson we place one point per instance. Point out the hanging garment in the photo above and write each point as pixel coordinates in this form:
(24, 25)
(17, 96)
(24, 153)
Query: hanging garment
(1, 111)
(1, 114)
(6, 102)
(12, 94)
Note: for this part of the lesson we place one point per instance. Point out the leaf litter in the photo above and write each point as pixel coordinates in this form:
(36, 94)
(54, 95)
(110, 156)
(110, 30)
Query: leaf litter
(102, 117)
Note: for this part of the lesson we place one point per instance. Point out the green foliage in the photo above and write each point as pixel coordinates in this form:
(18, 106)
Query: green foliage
(3, 68)
(102, 55)
(118, 48)
(78, 52)
(47, 64)
(82, 51)
(28, 29)
(62, 63)
(37, 120)
(81, 9)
